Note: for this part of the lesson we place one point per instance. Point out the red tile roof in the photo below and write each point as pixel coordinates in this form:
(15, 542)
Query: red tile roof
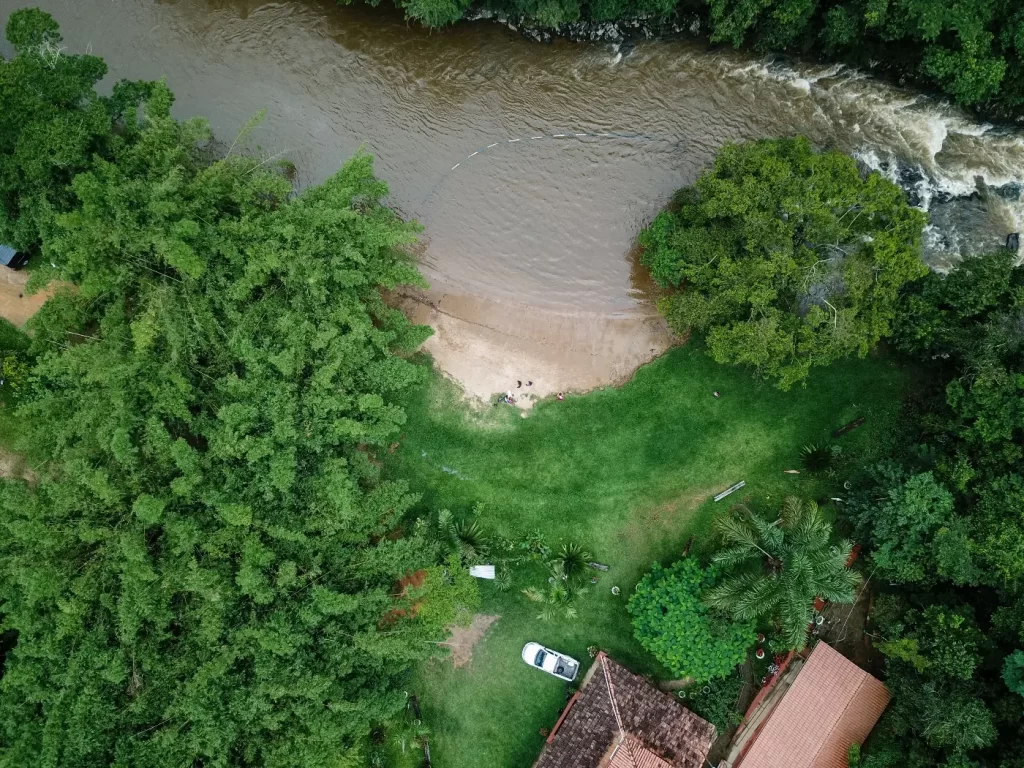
(832, 704)
(619, 720)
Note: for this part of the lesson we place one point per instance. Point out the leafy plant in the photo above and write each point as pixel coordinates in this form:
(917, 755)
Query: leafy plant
(912, 525)
(671, 621)
(467, 537)
(448, 595)
(1013, 672)
(933, 656)
(503, 578)
(779, 567)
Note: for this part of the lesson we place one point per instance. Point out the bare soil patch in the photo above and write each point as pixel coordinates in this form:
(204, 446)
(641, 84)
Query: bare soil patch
(845, 629)
(463, 639)
(14, 465)
(658, 521)
(15, 305)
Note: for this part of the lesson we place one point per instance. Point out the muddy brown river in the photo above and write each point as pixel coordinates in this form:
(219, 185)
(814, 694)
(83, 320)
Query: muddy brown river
(532, 167)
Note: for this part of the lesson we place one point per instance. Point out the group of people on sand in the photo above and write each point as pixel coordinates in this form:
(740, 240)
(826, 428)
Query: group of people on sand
(510, 399)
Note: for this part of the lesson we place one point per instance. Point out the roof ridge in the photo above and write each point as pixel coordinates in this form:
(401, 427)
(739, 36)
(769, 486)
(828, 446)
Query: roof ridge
(615, 711)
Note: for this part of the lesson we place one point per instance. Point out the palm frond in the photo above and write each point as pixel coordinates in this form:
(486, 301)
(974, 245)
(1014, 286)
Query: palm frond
(732, 590)
(534, 595)
(839, 588)
(759, 600)
(472, 539)
(792, 511)
(735, 530)
(735, 555)
(770, 534)
(795, 616)
(446, 526)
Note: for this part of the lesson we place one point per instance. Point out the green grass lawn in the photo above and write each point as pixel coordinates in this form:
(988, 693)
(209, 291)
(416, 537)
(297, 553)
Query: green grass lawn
(630, 473)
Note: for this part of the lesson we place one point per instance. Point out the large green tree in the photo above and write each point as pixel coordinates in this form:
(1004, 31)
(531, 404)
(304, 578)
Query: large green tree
(778, 567)
(784, 257)
(932, 657)
(206, 572)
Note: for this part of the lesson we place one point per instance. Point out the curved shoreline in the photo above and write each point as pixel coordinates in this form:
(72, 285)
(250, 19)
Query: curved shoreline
(487, 346)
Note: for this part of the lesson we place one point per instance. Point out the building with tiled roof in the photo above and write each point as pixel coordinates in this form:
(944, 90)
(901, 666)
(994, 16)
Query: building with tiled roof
(829, 705)
(619, 720)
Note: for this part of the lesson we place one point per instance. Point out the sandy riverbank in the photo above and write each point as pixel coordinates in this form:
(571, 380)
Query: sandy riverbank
(487, 346)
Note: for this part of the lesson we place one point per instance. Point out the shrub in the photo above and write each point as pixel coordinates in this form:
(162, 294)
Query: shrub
(671, 621)
(716, 701)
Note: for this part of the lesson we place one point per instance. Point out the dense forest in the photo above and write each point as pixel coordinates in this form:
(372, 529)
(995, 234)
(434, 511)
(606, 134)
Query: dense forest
(204, 566)
(944, 522)
(970, 50)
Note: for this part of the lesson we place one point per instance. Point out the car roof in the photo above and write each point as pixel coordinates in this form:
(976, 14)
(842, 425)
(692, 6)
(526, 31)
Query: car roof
(7, 254)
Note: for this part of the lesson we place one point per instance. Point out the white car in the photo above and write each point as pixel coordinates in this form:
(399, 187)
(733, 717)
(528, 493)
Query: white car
(552, 662)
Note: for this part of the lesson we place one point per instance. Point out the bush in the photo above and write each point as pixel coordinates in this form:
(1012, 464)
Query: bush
(716, 701)
(671, 621)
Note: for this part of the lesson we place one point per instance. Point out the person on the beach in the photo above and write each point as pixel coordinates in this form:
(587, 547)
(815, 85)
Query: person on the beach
(561, 396)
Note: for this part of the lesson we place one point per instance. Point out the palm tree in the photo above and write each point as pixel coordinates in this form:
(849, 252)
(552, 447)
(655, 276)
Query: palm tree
(570, 564)
(817, 457)
(779, 567)
(559, 601)
(467, 538)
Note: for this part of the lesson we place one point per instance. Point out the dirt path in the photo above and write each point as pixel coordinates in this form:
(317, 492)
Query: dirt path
(463, 639)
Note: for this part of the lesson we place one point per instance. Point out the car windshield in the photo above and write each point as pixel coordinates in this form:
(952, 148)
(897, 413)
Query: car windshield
(539, 661)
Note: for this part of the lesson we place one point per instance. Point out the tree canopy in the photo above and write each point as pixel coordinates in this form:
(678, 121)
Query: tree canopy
(52, 125)
(784, 257)
(207, 571)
